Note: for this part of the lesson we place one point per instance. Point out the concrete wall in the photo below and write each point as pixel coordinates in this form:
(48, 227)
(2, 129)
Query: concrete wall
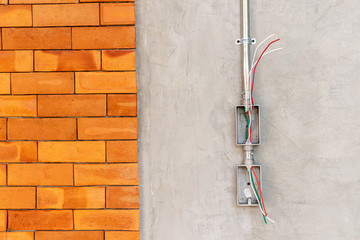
(189, 85)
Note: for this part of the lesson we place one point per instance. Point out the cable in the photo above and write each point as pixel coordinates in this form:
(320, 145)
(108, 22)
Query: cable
(262, 199)
(253, 75)
(252, 62)
(256, 195)
(250, 123)
(247, 126)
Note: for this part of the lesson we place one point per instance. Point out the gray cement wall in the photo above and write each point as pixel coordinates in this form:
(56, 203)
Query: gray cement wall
(189, 84)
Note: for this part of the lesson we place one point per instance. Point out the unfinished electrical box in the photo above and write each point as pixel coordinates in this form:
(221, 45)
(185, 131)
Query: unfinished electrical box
(245, 194)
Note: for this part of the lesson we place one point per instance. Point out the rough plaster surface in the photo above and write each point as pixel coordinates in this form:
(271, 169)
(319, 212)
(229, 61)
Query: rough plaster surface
(189, 85)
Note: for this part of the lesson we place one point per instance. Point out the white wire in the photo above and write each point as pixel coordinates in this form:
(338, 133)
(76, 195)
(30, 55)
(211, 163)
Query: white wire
(252, 62)
(252, 187)
(274, 50)
(249, 129)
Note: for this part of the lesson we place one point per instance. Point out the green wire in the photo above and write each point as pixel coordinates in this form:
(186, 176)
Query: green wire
(252, 180)
(247, 126)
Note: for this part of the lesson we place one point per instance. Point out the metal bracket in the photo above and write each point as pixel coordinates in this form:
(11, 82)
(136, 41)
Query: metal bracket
(245, 40)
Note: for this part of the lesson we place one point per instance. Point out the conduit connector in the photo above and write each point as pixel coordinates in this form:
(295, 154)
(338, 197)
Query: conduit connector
(248, 155)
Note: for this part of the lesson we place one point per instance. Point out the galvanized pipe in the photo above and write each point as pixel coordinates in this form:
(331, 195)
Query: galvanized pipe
(245, 30)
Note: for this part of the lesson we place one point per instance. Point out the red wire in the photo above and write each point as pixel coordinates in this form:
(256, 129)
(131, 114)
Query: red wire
(252, 85)
(257, 180)
(250, 125)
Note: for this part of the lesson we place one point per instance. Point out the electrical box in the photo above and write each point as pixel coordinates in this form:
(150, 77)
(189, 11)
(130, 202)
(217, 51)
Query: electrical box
(241, 125)
(245, 195)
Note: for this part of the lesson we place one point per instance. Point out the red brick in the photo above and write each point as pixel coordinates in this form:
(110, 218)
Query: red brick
(18, 151)
(106, 219)
(17, 235)
(17, 106)
(105, 82)
(66, 15)
(117, 13)
(107, 128)
(83, 151)
(2, 128)
(122, 197)
(117, 235)
(106, 174)
(122, 105)
(3, 220)
(103, 37)
(70, 235)
(122, 151)
(17, 197)
(2, 179)
(41, 1)
(40, 174)
(42, 83)
(71, 105)
(16, 61)
(67, 60)
(71, 197)
(15, 16)
(42, 129)
(4, 83)
(36, 38)
(41, 220)
(114, 60)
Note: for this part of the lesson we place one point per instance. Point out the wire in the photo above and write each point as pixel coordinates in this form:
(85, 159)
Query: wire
(253, 59)
(261, 203)
(250, 123)
(253, 75)
(247, 126)
(256, 195)
(262, 199)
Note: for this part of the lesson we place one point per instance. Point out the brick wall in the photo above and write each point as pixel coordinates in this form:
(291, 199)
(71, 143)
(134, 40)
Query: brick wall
(68, 120)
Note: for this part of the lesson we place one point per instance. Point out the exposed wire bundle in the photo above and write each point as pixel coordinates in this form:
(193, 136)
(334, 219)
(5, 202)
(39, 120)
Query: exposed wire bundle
(252, 76)
(260, 200)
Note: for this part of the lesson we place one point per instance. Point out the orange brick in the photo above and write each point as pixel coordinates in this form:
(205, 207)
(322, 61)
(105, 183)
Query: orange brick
(2, 128)
(2, 179)
(3, 220)
(105, 82)
(70, 235)
(17, 197)
(117, 235)
(41, 1)
(41, 220)
(106, 1)
(18, 106)
(106, 174)
(103, 37)
(16, 61)
(18, 151)
(17, 235)
(92, 151)
(113, 60)
(122, 197)
(122, 105)
(122, 151)
(4, 83)
(106, 219)
(40, 174)
(71, 197)
(42, 129)
(107, 128)
(67, 60)
(3, 2)
(117, 13)
(42, 83)
(66, 15)
(36, 38)
(15, 16)
(71, 105)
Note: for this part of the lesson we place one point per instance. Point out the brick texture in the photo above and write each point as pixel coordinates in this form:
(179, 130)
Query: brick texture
(108, 219)
(71, 235)
(68, 120)
(42, 83)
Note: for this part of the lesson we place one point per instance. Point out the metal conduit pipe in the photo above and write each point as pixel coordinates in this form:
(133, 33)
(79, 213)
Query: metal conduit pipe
(246, 41)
